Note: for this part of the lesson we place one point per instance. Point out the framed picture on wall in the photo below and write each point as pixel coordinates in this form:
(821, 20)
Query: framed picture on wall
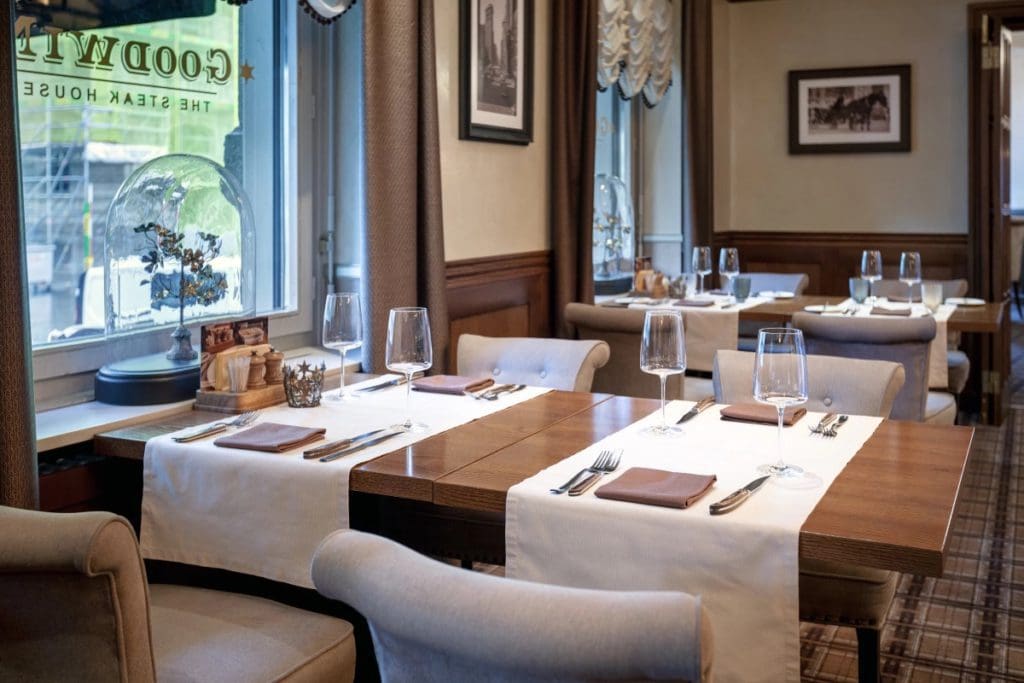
(496, 70)
(862, 109)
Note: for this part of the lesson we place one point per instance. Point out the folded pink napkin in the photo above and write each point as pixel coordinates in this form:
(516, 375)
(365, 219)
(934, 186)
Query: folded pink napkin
(272, 437)
(696, 303)
(451, 384)
(761, 412)
(657, 487)
(880, 310)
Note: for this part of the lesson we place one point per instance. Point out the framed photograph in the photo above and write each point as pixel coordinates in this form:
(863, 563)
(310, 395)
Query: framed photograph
(496, 70)
(864, 109)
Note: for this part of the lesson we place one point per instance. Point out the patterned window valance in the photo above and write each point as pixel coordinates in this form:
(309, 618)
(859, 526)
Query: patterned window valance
(324, 11)
(635, 47)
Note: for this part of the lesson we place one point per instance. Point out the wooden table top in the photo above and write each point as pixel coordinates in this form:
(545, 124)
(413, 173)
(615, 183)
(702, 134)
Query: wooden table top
(890, 508)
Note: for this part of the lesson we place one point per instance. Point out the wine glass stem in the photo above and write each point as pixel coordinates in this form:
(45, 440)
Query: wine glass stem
(664, 422)
(408, 399)
(341, 388)
(700, 288)
(781, 464)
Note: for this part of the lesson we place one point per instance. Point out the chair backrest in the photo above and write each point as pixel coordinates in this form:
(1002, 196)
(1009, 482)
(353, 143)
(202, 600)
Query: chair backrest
(839, 385)
(435, 622)
(73, 598)
(778, 282)
(904, 340)
(898, 291)
(565, 364)
(622, 330)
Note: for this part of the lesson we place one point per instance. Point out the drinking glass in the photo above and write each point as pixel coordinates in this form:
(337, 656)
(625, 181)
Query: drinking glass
(663, 353)
(408, 351)
(859, 289)
(343, 331)
(780, 379)
(871, 269)
(931, 295)
(701, 261)
(728, 266)
(910, 271)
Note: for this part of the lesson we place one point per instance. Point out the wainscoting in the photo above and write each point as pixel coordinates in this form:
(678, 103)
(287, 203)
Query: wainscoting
(499, 296)
(829, 259)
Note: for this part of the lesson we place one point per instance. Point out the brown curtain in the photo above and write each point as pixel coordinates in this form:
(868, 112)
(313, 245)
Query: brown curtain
(404, 257)
(697, 114)
(19, 482)
(573, 112)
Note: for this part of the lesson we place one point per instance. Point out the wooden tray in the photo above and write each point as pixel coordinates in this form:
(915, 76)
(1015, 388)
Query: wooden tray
(233, 404)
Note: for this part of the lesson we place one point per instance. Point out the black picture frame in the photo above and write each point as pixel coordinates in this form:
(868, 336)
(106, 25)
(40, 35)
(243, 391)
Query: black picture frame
(878, 110)
(475, 122)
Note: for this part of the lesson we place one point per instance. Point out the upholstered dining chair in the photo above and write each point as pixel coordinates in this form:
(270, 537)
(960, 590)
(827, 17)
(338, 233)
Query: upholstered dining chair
(832, 593)
(768, 282)
(622, 330)
(75, 606)
(904, 340)
(434, 622)
(565, 364)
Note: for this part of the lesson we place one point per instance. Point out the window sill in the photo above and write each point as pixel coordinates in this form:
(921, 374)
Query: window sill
(79, 423)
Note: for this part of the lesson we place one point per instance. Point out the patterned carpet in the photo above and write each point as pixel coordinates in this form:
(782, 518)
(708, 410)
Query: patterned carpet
(968, 625)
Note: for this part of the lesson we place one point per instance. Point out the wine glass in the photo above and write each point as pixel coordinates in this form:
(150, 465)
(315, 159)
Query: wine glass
(871, 269)
(408, 351)
(910, 271)
(701, 261)
(343, 331)
(780, 379)
(663, 353)
(728, 267)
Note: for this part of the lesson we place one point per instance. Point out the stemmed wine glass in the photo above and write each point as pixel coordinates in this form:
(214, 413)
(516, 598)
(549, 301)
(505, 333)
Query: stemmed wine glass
(780, 379)
(729, 267)
(910, 271)
(408, 351)
(701, 261)
(343, 331)
(871, 269)
(663, 353)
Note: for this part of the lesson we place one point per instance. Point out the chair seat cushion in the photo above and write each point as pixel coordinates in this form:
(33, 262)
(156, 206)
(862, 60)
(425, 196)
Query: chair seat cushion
(940, 409)
(833, 593)
(210, 636)
(959, 366)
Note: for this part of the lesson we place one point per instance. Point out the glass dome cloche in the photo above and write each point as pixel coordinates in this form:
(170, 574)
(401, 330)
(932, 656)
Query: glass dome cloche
(179, 248)
(613, 228)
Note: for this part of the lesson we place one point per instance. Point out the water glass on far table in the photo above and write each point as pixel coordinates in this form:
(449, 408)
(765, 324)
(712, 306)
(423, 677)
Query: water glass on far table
(871, 268)
(701, 262)
(859, 289)
(663, 353)
(780, 380)
(910, 271)
(728, 266)
(409, 351)
(931, 295)
(343, 331)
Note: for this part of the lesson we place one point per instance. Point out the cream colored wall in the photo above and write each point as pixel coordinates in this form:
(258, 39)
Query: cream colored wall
(494, 196)
(759, 186)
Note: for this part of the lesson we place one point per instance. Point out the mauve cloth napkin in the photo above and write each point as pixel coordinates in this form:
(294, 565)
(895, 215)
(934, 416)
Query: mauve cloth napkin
(272, 437)
(881, 310)
(451, 384)
(761, 412)
(698, 303)
(657, 487)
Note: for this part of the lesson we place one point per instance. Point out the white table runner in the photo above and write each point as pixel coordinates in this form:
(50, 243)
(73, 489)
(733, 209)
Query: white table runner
(744, 564)
(266, 513)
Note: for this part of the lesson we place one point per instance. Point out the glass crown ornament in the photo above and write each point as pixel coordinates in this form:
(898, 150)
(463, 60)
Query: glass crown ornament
(613, 227)
(179, 248)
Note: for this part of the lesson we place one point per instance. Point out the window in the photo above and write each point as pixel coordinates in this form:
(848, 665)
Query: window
(615, 217)
(101, 94)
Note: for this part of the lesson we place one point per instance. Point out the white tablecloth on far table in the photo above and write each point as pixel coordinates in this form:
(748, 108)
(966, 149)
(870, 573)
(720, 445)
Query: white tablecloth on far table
(265, 513)
(744, 564)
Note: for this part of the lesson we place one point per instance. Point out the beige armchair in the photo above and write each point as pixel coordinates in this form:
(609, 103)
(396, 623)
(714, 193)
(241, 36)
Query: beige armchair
(564, 364)
(75, 606)
(434, 622)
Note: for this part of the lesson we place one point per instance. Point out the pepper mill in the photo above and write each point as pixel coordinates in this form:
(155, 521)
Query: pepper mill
(275, 363)
(257, 370)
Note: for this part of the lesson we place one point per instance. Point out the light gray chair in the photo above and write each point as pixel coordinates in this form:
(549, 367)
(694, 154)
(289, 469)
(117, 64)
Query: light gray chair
(832, 593)
(434, 622)
(75, 606)
(622, 330)
(905, 341)
(565, 364)
(768, 282)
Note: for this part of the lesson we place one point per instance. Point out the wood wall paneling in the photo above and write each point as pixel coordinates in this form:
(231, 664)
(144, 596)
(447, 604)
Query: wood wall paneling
(499, 296)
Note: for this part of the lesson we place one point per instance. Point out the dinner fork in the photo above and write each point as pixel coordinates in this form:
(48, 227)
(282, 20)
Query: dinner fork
(601, 461)
(242, 420)
(610, 466)
(823, 423)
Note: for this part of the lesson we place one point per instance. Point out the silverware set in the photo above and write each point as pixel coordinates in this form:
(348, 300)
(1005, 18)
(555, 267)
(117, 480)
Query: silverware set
(495, 392)
(242, 420)
(356, 444)
(829, 425)
(606, 461)
(823, 423)
(833, 430)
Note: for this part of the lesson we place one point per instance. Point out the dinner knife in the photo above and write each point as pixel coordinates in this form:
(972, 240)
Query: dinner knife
(341, 443)
(384, 385)
(737, 498)
(701, 406)
(359, 446)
